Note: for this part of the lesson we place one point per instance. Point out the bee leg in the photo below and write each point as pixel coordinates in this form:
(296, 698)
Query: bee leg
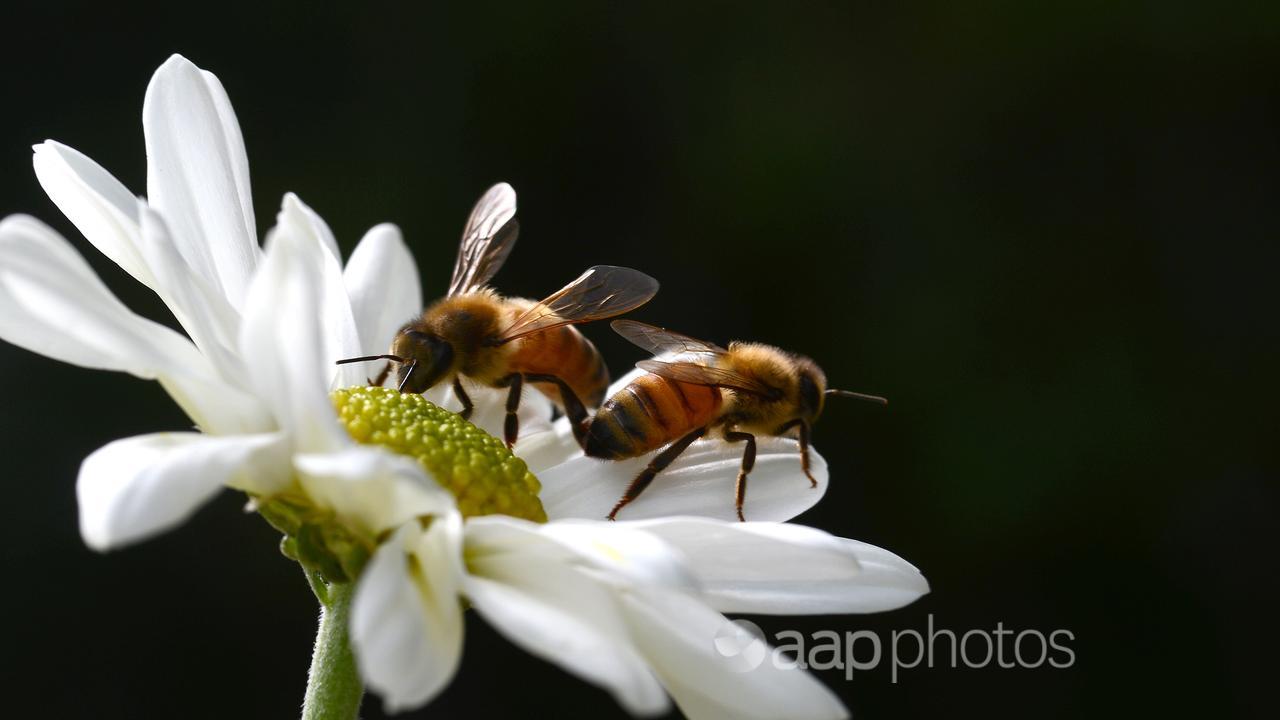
(511, 426)
(464, 398)
(573, 407)
(804, 453)
(382, 376)
(748, 462)
(657, 465)
(804, 446)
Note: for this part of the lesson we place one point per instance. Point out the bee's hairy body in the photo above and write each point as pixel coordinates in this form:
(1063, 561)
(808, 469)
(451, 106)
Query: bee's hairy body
(653, 411)
(648, 413)
(501, 342)
(470, 325)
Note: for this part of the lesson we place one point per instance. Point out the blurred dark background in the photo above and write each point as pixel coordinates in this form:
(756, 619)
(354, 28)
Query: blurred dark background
(1046, 231)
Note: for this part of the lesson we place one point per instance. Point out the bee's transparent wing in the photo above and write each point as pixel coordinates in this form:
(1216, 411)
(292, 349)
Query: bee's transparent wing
(659, 341)
(696, 374)
(487, 239)
(601, 292)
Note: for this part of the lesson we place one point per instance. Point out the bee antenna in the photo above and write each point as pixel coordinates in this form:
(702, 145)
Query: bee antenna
(367, 358)
(405, 379)
(857, 396)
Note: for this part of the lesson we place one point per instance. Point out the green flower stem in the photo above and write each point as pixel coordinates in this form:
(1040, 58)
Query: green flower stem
(334, 689)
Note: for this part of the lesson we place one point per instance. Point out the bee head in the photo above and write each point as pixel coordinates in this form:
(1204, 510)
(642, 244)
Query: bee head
(812, 389)
(427, 359)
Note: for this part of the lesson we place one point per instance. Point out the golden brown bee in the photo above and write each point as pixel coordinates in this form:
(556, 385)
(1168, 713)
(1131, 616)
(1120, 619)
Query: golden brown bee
(505, 342)
(745, 390)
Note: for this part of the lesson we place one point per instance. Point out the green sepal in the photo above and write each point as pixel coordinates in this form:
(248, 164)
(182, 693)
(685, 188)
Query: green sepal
(284, 515)
(314, 553)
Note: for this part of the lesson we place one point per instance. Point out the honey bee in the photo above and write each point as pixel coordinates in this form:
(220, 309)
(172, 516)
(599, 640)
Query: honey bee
(504, 342)
(745, 390)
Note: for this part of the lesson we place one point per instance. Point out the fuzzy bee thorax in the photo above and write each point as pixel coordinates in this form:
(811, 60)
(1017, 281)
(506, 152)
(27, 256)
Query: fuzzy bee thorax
(468, 323)
(468, 320)
(771, 367)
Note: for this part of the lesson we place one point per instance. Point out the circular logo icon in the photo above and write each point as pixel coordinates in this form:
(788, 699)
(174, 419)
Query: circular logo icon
(742, 643)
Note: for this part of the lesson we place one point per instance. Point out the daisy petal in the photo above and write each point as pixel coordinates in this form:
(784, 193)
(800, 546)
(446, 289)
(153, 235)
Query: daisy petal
(549, 448)
(340, 339)
(545, 448)
(54, 304)
(557, 612)
(776, 568)
(281, 332)
(382, 281)
(134, 488)
(700, 482)
(198, 174)
(371, 487)
(238, 159)
(100, 207)
(310, 224)
(203, 311)
(626, 554)
(406, 624)
(678, 636)
(51, 302)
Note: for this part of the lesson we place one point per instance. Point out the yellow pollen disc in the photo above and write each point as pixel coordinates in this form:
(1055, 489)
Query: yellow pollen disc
(473, 465)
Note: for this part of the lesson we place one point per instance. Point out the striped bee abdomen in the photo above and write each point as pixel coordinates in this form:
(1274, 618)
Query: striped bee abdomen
(647, 414)
(570, 356)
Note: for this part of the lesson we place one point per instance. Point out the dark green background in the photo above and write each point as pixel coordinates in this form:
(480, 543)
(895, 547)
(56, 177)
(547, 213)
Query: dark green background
(1046, 231)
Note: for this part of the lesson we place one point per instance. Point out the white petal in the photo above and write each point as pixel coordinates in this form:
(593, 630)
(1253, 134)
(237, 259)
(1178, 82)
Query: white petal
(887, 581)
(557, 589)
(700, 482)
(552, 609)
(788, 569)
(198, 174)
(315, 228)
(237, 158)
(52, 303)
(283, 335)
(203, 310)
(382, 281)
(677, 634)
(133, 236)
(134, 488)
(542, 449)
(406, 624)
(625, 555)
(98, 205)
(338, 326)
(371, 487)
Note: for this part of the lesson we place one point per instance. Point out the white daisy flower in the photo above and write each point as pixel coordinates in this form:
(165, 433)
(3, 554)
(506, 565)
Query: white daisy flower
(631, 606)
(238, 376)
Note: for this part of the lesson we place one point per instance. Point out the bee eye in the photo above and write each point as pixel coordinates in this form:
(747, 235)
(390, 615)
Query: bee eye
(429, 359)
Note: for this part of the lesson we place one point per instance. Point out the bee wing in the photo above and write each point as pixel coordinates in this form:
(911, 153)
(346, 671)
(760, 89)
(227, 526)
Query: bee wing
(693, 373)
(603, 291)
(487, 239)
(661, 340)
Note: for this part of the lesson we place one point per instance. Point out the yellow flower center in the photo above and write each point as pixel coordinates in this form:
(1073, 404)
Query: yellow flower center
(473, 465)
